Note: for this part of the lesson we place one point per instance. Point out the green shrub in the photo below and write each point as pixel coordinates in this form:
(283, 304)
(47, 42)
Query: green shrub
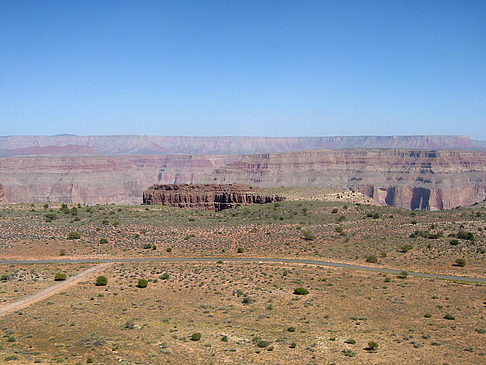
(350, 341)
(372, 346)
(49, 217)
(308, 236)
(263, 343)
(403, 275)
(372, 259)
(169, 249)
(195, 336)
(60, 276)
(293, 345)
(73, 236)
(103, 240)
(164, 276)
(101, 281)
(349, 353)
(291, 329)
(405, 248)
(334, 211)
(454, 242)
(142, 283)
(469, 236)
(147, 246)
(461, 262)
(301, 291)
(240, 250)
(449, 317)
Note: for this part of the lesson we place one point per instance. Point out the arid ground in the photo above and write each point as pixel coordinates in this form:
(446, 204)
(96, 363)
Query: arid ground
(245, 312)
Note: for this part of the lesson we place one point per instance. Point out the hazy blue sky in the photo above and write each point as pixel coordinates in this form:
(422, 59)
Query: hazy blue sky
(276, 68)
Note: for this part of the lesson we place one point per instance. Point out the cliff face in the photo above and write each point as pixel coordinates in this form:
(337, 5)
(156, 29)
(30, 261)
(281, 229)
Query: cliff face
(206, 196)
(64, 145)
(413, 179)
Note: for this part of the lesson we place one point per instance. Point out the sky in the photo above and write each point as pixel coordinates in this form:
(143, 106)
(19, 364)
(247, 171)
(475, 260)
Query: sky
(247, 68)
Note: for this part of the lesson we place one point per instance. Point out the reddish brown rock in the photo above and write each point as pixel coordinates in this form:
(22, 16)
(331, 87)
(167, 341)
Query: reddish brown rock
(412, 179)
(212, 197)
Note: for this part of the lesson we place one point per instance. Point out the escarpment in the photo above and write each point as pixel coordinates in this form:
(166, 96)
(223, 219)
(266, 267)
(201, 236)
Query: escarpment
(213, 197)
(412, 179)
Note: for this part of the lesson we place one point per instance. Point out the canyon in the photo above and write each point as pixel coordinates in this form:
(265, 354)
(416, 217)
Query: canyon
(212, 197)
(406, 178)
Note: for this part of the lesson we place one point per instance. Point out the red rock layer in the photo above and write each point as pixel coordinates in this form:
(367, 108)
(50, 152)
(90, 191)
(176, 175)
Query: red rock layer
(211, 197)
(413, 179)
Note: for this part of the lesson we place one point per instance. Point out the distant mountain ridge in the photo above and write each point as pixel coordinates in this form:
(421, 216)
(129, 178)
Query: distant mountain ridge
(113, 145)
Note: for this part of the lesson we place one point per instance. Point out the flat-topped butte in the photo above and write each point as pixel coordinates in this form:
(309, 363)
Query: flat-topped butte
(212, 197)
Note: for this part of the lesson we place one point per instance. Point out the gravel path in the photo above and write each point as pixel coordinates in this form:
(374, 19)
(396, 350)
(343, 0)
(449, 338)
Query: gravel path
(253, 259)
(53, 289)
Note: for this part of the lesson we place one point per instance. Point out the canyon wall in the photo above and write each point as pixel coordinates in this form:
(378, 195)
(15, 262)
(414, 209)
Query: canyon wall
(72, 145)
(413, 179)
(212, 197)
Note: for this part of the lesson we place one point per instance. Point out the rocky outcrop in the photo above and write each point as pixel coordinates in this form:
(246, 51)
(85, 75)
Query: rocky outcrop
(212, 197)
(412, 179)
(2, 193)
(72, 145)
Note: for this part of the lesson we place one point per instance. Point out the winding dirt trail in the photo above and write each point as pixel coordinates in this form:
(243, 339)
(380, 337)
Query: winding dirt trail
(53, 289)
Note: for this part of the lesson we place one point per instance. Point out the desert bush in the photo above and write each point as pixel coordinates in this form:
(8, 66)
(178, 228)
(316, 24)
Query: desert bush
(301, 291)
(147, 246)
(372, 259)
(195, 336)
(73, 236)
(130, 325)
(60, 276)
(101, 281)
(240, 250)
(103, 240)
(372, 346)
(449, 317)
(405, 248)
(169, 249)
(142, 283)
(403, 275)
(463, 235)
(454, 242)
(461, 262)
(349, 353)
(291, 329)
(49, 217)
(308, 236)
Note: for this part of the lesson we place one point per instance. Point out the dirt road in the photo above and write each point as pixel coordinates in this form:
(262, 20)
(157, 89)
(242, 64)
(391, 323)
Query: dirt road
(47, 292)
(254, 259)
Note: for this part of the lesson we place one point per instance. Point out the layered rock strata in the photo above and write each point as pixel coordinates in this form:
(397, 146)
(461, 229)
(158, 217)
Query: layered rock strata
(412, 179)
(212, 197)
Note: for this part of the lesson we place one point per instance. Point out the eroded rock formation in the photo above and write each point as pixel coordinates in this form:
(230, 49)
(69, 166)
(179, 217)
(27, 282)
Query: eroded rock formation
(412, 179)
(213, 197)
